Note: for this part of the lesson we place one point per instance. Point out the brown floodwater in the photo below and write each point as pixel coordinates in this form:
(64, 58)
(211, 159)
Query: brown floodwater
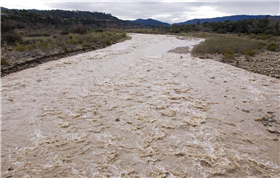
(135, 109)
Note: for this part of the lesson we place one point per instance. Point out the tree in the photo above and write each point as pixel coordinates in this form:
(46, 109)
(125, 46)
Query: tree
(175, 28)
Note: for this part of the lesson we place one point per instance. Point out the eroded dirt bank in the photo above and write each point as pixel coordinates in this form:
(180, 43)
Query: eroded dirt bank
(133, 109)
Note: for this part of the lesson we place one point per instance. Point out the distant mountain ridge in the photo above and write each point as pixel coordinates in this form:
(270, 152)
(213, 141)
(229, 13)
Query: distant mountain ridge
(150, 22)
(232, 18)
(97, 19)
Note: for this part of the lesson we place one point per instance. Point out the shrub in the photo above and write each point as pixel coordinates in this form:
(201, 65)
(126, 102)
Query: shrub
(99, 30)
(108, 42)
(5, 28)
(249, 52)
(227, 51)
(65, 49)
(221, 31)
(3, 61)
(228, 45)
(228, 56)
(11, 38)
(123, 35)
(272, 46)
(64, 32)
(86, 45)
(71, 36)
(5, 46)
(31, 47)
(80, 29)
(248, 58)
(37, 34)
(44, 45)
(20, 47)
(46, 34)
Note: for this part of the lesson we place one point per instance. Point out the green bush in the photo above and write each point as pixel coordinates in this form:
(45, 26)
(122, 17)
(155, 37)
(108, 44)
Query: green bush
(86, 45)
(108, 42)
(44, 45)
(80, 29)
(11, 38)
(228, 45)
(65, 49)
(68, 42)
(37, 34)
(272, 46)
(31, 47)
(99, 30)
(5, 28)
(227, 51)
(123, 35)
(3, 61)
(249, 52)
(20, 47)
(228, 56)
(64, 32)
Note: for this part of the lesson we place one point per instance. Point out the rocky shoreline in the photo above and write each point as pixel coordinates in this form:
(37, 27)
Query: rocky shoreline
(265, 63)
(28, 60)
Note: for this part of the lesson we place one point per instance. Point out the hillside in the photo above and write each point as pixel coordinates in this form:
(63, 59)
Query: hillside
(233, 18)
(37, 19)
(150, 22)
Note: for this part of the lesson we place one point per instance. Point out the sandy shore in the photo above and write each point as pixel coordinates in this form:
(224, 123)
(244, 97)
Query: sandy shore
(136, 110)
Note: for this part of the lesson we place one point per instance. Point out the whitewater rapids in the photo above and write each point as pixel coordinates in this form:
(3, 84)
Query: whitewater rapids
(134, 109)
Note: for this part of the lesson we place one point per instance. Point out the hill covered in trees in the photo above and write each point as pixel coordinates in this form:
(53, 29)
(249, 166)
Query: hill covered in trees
(268, 25)
(151, 22)
(232, 18)
(37, 19)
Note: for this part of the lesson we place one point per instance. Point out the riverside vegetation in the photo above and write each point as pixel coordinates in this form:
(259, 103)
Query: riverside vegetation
(258, 56)
(37, 45)
(28, 37)
(251, 44)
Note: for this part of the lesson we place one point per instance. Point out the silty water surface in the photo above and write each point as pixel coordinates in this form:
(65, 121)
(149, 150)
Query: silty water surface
(134, 109)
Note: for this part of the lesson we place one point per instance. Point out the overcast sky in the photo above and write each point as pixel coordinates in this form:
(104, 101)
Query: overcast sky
(163, 10)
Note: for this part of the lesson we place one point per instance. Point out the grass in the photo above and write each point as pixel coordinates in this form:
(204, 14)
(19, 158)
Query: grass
(228, 46)
(198, 34)
(145, 31)
(20, 47)
(59, 43)
(38, 34)
(272, 47)
(69, 41)
(3, 61)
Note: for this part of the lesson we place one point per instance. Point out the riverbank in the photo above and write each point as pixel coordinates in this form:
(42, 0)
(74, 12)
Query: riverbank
(246, 57)
(18, 57)
(265, 63)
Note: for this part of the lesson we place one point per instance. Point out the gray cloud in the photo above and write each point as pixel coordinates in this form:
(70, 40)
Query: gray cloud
(170, 12)
(253, 8)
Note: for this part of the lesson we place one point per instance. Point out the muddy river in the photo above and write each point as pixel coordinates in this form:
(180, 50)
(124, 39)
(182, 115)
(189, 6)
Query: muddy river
(136, 110)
